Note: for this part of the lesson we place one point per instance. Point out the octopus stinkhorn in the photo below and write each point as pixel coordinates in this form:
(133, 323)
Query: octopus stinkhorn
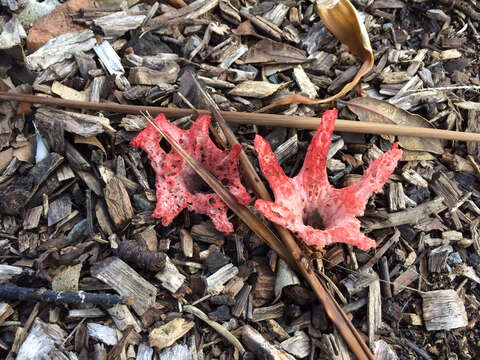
(310, 194)
(177, 185)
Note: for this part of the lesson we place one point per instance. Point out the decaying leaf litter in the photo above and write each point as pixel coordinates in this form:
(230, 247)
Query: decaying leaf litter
(79, 199)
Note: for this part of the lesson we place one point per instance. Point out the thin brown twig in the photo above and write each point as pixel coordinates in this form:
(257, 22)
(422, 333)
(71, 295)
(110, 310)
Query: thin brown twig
(310, 123)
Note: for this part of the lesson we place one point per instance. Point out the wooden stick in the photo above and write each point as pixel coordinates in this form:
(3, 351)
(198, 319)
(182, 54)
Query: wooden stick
(298, 122)
(13, 292)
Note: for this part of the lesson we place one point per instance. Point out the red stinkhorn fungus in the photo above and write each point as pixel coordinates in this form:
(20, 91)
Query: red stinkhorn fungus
(178, 186)
(298, 199)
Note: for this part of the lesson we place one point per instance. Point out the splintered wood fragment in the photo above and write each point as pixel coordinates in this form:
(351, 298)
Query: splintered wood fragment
(452, 236)
(233, 286)
(447, 188)
(109, 58)
(148, 237)
(437, 258)
(42, 340)
(67, 279)
(171, 279)
(127, 282)
(268, 312)
(374, 310)
(68, 93)
(409, 216)
(298, 345)
(90, 313)
(75, 123)
(102, 333)
(91, 181)
(75, 158)
(412, 319)
(285, 276)
(221, 276)
(405, 279)
(357, 281)
(255, 89)
(103, 218)
(122, 317)
(118, 203)
(241, 301)
(383, 351)
(176, 352)
(205, 232)
(286, 150)
(186, 242)
(443, 310)
(166, 335)
(32, 217)
(304, 82)
(8, 272)
(467, 271)
(144, 352)
(279, 332)
(5, 311)
(263, 24)
(385, 276)
(264, 286)
(118, 23)
(145, 76)
(333, 347)
(396, 197)
(59, 209)
(96, 89)
(119, 348)
(394, 77)
(65, 172)
(277, 14)
(233, 55)
(414, 178)
(256, 343)
(60, 48)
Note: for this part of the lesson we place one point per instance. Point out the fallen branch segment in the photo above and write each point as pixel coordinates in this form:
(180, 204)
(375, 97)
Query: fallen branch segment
(298, 122)
(12, 292)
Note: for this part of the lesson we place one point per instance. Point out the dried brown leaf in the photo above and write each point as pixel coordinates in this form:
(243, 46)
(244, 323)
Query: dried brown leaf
(373, 110)
(267, 51)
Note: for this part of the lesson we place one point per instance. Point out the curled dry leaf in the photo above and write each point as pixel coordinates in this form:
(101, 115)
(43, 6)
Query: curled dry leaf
(343, 21)
(267, 51)
(373, 110)
(256, 89)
